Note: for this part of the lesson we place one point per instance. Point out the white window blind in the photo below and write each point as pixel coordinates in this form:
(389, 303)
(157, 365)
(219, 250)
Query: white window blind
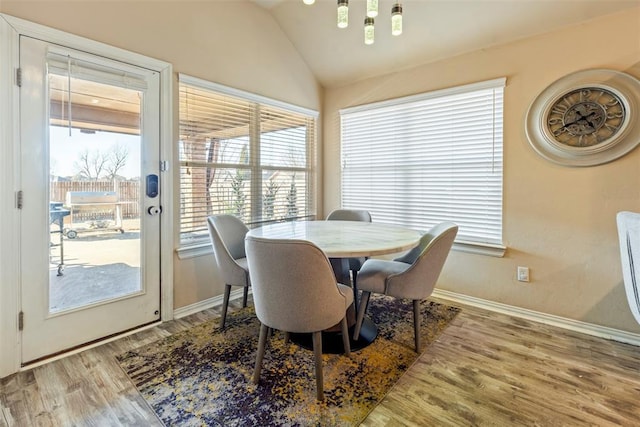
(420, 160)
(91, 68)
(244, 155)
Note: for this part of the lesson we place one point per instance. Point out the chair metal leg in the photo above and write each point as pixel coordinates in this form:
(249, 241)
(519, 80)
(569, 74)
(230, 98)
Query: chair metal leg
(416, 323)
(287, 337)
(262, 344)
(354, 273)
(245, 296)
(317, 351)
(363, 308)
(345, 336)
(225, 305)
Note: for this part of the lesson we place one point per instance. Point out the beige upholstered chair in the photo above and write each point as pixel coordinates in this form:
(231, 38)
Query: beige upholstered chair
(227, 238)
(355, 264)
(629, 237)
(295, 290)
(412, 276)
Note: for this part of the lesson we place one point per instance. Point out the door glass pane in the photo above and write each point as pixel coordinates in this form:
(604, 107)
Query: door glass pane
(94, 194)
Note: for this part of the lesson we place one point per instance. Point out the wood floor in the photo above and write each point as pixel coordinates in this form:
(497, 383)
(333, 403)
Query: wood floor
(486, 369)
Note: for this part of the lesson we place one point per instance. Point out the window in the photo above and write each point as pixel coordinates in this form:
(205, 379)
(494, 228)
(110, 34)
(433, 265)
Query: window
(244, 155)
(433, 157)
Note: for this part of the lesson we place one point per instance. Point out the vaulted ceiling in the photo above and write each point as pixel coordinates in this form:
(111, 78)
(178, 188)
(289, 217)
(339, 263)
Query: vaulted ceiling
(433, 30)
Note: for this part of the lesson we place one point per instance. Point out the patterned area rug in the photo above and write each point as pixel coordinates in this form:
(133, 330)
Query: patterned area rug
(203, 376)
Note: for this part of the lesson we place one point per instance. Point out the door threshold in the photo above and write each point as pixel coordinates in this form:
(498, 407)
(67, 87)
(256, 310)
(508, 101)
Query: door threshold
(87, 346)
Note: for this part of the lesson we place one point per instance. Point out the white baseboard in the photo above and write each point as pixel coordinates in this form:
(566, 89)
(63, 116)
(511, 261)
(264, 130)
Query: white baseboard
(548, 319)
(206, 304)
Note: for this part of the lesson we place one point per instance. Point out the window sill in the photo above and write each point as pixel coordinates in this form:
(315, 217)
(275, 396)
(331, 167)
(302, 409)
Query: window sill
(194, 251)
(487, 249)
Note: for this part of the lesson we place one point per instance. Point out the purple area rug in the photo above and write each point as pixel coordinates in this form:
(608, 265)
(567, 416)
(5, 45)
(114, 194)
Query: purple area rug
(202, 376)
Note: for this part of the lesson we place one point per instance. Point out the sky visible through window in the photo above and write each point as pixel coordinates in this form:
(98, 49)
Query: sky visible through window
(66, 151)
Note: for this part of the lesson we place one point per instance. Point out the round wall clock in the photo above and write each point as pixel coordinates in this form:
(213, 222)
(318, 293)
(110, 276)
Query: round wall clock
(586, 118)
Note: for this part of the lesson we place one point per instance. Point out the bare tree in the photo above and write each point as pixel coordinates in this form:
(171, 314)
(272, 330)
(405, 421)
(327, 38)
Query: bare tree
(117, 159)
(90, 165)
(97, 164)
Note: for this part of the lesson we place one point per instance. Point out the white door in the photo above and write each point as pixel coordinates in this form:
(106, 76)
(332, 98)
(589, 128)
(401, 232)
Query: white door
(90, 217)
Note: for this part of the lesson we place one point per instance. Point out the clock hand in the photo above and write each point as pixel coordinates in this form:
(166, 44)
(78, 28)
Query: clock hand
(591, 123)
(581, 118)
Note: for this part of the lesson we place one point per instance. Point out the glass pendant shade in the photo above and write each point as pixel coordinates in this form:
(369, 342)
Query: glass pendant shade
(396, 19)
(308, 1)
(372, 8)
(343, 13)
(369, 31)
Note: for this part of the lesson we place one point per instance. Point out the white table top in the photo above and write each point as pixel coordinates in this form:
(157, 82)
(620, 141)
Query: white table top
(344, 239)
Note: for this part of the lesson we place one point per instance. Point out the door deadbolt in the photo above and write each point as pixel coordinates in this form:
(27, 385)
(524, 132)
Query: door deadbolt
(152, 186)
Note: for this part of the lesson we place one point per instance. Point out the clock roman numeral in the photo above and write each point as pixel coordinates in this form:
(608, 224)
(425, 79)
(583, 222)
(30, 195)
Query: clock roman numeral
(559, 109)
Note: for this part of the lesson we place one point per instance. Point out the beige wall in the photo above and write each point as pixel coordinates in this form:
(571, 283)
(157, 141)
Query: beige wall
(234, 42)
(558, 221)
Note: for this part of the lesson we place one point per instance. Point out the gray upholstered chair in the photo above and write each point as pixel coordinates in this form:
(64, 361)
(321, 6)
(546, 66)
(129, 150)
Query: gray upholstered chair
(629, 237)
(295, 291)
(227, 238)
(349, 215)
(412, 276)
(355, 264)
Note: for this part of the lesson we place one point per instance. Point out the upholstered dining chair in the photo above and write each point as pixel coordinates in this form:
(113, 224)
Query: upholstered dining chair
(227, 234)
(412, 276)
(355, 264)
(629, 238)
(295, 291)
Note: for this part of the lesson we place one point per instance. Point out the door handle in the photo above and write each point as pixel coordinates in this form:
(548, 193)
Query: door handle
(154, 210)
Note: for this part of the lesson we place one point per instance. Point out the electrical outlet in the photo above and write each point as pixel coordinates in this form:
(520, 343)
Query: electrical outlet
(523, 274)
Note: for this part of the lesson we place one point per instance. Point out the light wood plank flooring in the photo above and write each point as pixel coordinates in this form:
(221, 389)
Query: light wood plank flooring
(486, 369)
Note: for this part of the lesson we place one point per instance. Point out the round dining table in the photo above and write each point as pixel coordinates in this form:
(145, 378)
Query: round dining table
(344, 239)
(341, 240)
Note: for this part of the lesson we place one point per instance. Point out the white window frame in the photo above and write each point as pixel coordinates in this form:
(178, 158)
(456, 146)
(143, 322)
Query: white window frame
(200, 245)
(442, 141)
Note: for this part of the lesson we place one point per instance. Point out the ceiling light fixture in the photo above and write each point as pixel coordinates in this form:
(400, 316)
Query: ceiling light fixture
(396, 19)
(372, 8)
(343, 13)
(371, 12)
(369, 31)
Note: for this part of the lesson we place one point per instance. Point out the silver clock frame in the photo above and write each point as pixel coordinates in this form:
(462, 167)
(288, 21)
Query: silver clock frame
(623, 85)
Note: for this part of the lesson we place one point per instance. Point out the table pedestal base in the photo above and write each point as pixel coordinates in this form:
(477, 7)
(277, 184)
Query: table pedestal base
(332, 340)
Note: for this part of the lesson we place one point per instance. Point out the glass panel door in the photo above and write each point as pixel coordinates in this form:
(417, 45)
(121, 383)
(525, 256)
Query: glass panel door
(90, 230)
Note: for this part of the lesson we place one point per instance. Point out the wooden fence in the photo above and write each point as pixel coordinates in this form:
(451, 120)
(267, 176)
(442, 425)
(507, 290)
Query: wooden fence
(127, 191)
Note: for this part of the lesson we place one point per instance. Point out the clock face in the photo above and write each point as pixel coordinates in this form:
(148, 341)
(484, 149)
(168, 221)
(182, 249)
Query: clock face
(586, 117)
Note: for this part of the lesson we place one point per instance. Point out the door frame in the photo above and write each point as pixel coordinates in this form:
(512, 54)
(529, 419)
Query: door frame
(11, 28)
